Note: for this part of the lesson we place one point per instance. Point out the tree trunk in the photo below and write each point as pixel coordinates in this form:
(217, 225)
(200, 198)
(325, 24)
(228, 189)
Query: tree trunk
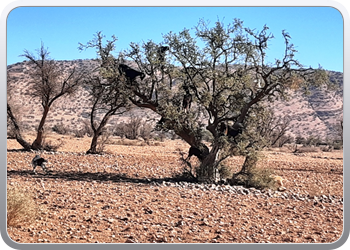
(93, 146)
(249, 163)
(17, 131)
(37, 144)
(97, 133)
(208, 171)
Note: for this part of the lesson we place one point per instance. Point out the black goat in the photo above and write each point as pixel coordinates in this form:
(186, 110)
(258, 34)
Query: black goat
(39, 161)
(231, 131)
(201, 154)
(161, 53)
(130, 73)
(187, 100)
(186, 103)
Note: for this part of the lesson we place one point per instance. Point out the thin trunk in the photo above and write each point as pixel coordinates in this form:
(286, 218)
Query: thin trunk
(37, 144)
(93, 146)
(17, 131)
(97, 133)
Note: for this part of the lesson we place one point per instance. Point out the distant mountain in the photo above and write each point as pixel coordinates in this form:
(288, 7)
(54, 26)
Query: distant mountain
(317, 114)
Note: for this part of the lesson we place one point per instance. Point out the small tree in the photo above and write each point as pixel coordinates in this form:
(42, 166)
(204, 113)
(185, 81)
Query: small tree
(49, 82)
(273, 128)
(107, 88)
(133, 127)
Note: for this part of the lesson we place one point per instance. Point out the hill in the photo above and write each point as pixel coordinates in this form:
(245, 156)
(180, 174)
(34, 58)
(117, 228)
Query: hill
(317, 114)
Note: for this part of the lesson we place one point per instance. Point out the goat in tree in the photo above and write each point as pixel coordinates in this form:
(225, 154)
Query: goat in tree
(130, 73)
(187, 100)
(231, 131)
(161, 53)
(196, 151)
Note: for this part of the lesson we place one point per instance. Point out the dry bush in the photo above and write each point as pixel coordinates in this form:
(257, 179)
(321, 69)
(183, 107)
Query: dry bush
(102, 141)
(61, 129)
(225, 171)
(51, 146)
(126, 142)
(307, 149)
(326, 148)
(146, 130)
(20, 207)
(86, 129)
(79, 133)
(261, 178)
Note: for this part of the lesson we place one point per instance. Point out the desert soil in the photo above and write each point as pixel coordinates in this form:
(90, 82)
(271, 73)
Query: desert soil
(127, 195)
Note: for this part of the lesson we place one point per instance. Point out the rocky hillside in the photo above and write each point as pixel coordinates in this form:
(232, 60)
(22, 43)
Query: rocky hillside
(317, 114)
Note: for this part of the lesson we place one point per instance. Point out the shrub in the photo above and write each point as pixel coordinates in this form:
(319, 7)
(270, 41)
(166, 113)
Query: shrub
(79, 133)
(20, 207)
(326, 148)
(60, 129)
(145, 130)
(102, 141)
(225, 171)
(50, 145)
(253, 176)
(260, 178)
(87, 128)
(306, 149)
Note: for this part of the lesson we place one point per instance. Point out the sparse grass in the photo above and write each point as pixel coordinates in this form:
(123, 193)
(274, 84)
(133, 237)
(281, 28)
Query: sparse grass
(20, 207)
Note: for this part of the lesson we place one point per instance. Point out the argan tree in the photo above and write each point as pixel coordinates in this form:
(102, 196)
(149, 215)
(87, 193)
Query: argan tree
(218, 81)
(49, 82)
(106, 87)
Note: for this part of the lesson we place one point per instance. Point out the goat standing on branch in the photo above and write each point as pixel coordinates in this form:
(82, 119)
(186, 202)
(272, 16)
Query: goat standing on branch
(130, 73)
(187, 100)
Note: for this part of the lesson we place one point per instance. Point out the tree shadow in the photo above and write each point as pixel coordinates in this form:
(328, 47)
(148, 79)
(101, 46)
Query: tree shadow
(332, 171)
(18, 150)
(89, 177)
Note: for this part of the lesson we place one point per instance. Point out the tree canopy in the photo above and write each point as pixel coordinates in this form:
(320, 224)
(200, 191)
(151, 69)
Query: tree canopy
(217, 80)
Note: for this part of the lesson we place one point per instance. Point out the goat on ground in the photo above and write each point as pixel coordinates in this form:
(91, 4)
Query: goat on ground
(39, 161)
(279, 181)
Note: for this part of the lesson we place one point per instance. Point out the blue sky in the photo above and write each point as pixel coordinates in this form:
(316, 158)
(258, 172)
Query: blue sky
(317, 32)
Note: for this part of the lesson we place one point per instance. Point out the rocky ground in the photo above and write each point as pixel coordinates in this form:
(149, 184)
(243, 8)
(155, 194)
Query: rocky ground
(127, 195)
